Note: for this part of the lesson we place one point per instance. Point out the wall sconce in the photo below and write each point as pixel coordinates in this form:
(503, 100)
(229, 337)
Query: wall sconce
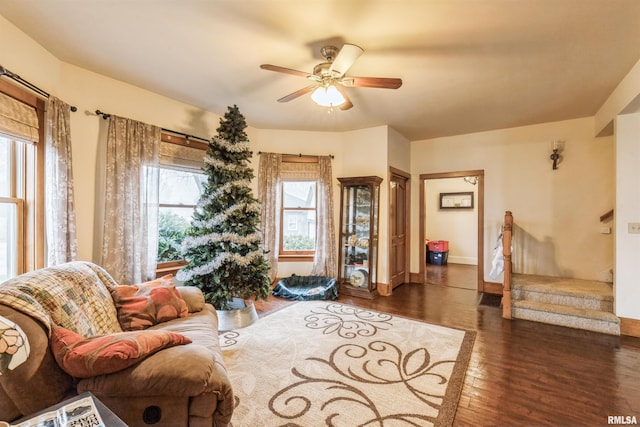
(556, 148)
(473, 180)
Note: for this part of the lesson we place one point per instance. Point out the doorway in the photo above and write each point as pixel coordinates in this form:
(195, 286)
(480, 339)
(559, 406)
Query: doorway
(473, 175)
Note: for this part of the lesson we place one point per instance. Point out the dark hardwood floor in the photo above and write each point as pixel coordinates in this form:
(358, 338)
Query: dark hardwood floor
(454, 275)
(522, 373)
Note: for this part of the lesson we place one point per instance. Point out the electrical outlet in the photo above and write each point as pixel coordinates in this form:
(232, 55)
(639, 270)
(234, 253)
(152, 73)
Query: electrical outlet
(634, 227)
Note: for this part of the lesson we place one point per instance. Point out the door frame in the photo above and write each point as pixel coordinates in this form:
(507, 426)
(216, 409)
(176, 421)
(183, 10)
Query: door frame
(480, 206)
(407, 226)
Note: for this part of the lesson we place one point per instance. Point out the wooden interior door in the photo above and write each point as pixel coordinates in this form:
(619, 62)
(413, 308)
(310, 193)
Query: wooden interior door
(398, 225)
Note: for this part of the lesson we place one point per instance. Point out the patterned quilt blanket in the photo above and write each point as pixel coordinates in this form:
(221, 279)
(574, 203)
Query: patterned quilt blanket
(74, 295)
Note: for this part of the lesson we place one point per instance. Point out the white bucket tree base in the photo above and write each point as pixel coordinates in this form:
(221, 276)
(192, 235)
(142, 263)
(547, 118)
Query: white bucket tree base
(237, 318)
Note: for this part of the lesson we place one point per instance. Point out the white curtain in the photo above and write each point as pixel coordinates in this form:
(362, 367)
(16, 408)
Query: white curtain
(268, 190)
(324, 262)
(130, 238)
(60, 216)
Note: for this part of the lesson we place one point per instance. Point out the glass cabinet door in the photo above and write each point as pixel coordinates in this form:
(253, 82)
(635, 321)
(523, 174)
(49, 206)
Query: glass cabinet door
(359, 235)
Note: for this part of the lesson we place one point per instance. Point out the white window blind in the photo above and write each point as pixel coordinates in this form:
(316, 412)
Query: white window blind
(17, 119)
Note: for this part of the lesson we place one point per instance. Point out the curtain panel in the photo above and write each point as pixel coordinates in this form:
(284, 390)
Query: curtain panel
(130, 237)
(324, 262)
(60, 215)
(269, 196)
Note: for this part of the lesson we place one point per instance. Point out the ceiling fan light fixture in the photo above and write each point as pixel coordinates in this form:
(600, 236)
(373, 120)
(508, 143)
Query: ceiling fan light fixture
(330, 73)
(328, 96)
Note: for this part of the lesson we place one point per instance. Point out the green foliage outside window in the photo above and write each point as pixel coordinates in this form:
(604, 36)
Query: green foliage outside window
(172, 230)
(298, 243)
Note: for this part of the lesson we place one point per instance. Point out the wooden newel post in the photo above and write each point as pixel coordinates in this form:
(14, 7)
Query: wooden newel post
(507, 234)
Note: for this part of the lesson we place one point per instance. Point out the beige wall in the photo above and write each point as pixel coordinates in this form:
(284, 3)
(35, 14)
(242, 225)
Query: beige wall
(556, 211)
(398, 151)
(89, 91)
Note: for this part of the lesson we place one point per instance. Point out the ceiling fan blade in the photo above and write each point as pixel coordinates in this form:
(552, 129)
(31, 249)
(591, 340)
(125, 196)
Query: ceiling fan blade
(347, 104)
(284, 70)
(379, 82)
(345, 59)
(297, 93)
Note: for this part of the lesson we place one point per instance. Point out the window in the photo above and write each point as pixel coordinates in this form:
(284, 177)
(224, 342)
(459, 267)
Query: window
(21, 179)
(298, 218)
(181, 183)
(179, 194)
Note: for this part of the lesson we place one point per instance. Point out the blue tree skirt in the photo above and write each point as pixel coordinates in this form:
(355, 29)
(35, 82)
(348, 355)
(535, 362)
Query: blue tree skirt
(305, 288)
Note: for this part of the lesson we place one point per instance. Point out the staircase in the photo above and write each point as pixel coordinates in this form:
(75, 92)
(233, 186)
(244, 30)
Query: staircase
(575, 303)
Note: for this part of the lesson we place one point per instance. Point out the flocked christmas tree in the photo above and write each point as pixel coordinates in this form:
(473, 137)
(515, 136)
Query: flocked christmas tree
(223, 247)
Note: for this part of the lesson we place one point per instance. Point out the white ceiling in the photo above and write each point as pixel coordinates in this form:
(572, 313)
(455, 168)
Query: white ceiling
(466, 65)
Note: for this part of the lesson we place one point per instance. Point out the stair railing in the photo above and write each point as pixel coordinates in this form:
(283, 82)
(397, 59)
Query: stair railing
(507, 234)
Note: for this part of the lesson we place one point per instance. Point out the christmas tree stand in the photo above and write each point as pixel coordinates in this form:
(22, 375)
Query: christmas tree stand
(239, 316)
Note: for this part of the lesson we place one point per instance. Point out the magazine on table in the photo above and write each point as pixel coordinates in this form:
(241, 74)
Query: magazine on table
(79, 413)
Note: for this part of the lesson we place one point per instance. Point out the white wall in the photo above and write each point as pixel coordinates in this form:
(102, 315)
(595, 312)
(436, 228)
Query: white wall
(556, 212)
(458, 226)
(627, 247)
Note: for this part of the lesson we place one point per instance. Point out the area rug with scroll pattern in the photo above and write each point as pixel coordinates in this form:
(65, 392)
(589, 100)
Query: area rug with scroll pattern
(321, 363)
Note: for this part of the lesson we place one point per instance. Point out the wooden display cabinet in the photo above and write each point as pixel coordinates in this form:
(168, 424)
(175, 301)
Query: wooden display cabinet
(358, 258)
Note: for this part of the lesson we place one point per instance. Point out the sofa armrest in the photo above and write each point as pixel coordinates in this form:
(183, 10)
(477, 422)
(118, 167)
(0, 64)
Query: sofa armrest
(193, 297)
(38, 382)
(192, 371)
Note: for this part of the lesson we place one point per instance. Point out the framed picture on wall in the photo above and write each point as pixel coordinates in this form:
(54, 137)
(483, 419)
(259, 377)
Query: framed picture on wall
(460, 200)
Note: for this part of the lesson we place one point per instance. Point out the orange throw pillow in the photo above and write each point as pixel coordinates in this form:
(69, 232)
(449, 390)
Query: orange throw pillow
(147, 304)
(104, 354)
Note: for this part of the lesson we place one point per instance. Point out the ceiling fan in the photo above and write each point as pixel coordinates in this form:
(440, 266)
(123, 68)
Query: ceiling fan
(329, 79)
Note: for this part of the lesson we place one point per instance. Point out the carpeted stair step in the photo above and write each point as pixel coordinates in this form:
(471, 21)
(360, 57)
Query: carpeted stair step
(562, 315)
(578, 293)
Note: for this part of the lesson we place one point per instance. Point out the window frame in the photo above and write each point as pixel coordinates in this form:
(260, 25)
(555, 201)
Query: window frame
(19, 231)
(30, 202)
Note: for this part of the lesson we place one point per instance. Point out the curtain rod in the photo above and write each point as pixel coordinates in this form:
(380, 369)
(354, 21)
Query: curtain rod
(185, 135)
(29, 85)
(302, 155)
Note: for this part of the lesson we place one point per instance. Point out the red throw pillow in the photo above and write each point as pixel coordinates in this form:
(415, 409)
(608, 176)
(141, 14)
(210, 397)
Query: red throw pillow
(146, 304)
(104, 354)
